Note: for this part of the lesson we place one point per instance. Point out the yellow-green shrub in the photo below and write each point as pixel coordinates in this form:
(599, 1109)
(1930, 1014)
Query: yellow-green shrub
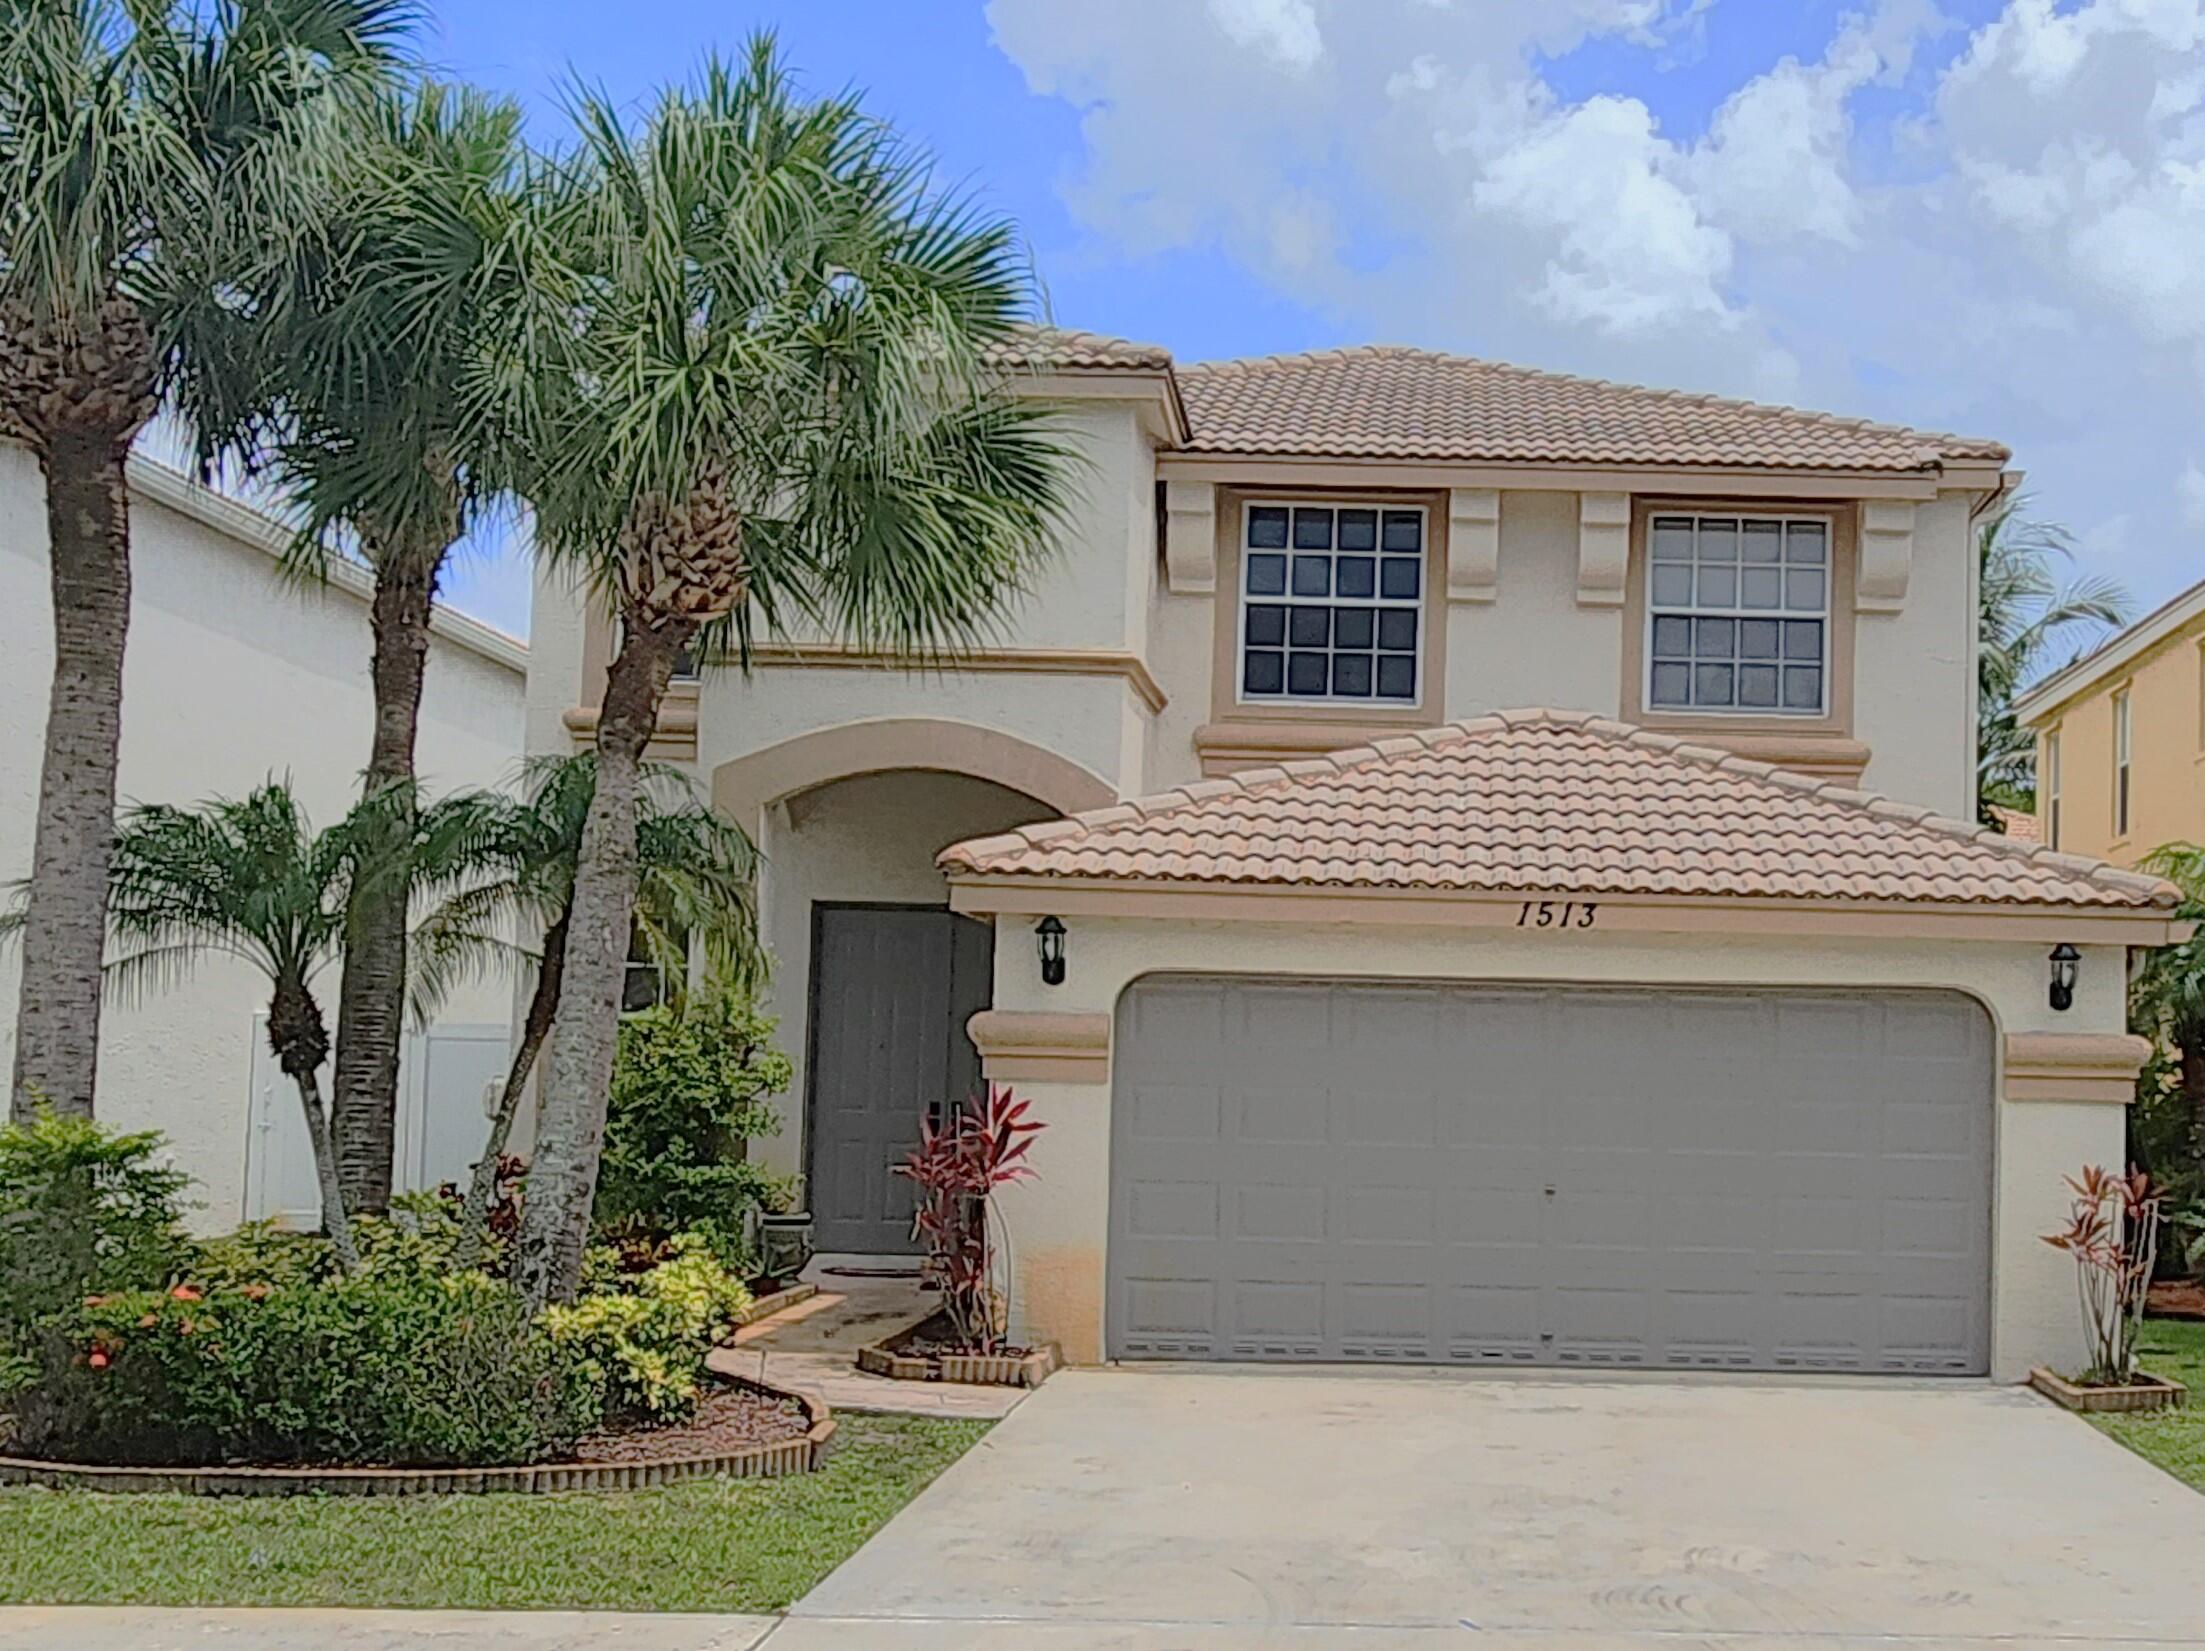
(644, 1337)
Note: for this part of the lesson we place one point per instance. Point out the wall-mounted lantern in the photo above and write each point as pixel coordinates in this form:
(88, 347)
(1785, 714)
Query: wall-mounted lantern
(2064, 959)
(1049, 939)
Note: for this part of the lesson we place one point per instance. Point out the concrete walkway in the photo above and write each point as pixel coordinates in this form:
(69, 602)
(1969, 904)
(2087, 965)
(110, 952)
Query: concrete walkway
(148, 1628)
(1222, 1511)
(813, 1345)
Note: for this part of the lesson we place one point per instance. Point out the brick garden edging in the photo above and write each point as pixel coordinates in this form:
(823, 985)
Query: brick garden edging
(767, 1306)
(882, 1358)
(2152, 1393)
(806, 1453)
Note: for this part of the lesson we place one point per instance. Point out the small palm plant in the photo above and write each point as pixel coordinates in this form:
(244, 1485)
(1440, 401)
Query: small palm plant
(695, 885)
(250, 878)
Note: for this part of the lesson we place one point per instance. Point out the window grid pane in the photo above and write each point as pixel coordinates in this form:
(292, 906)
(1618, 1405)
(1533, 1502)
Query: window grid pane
(1331, 603)
(1738, 614)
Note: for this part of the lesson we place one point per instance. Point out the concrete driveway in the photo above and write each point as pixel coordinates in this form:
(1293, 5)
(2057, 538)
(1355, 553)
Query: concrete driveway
(1220, 1511)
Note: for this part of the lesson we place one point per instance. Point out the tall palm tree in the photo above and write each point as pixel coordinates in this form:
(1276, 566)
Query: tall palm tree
(345, 381)
(2167, 1004)
(773, 399)
(696, 881)
(2023, 616)
(146, 148)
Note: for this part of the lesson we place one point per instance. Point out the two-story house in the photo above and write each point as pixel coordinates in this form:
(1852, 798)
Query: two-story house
(1474, 867)
(2121, 738)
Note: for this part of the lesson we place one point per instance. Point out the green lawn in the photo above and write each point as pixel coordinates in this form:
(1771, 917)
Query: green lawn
(2175, 1439)
(712, 1545)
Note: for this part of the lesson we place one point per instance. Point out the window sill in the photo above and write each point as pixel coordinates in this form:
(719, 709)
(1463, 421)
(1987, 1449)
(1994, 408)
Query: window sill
(1824, 753)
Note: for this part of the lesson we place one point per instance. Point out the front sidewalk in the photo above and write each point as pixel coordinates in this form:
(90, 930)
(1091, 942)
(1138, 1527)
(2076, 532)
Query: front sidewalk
(172, 1628)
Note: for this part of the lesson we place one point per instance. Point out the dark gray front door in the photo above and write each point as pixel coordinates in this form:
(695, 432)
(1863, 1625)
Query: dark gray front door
(1749, 1180)
(892, 988)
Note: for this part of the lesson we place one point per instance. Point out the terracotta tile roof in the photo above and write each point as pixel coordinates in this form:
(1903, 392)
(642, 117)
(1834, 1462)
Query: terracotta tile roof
(1066, 349)
(1552, 802)
(1391, 402)
(2022, 828)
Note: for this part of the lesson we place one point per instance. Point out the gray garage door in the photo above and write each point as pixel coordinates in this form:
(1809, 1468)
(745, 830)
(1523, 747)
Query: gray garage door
(1508, 1175)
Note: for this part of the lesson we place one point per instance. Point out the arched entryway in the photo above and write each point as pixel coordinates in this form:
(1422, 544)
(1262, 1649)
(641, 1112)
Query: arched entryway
(873, 976)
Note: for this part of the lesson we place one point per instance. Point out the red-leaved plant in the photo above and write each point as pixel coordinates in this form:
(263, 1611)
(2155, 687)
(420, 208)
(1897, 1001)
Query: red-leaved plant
(956, 1167)
(2112, 1232)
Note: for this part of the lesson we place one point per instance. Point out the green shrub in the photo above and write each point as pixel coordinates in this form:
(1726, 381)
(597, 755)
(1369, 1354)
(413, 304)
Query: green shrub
(259, 1252)
(400, 1367)
(644, 1336)
(689, 1088)
(82, 1210)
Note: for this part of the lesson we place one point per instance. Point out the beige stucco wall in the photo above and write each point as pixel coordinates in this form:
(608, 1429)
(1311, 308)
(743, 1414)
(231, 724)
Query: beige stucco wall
(1914, 672)
(873, 838)
(2166, 754)
(1059, 1223)
(1534, 644)
(231, 675)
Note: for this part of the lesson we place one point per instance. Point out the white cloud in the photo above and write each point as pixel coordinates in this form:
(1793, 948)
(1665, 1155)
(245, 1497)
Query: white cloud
(1283, 30)
(1999, 230)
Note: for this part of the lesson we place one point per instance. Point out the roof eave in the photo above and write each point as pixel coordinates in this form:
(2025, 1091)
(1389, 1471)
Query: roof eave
(983, 893)
(2112, 657)
(1185, 463)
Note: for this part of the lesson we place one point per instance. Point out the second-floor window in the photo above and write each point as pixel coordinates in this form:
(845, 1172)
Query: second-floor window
(1738, 614)
(2120, 763)
(1332, 604)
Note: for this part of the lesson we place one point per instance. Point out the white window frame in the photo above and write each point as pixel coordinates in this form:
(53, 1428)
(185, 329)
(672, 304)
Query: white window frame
(2050, 785)
(1420, 604)
(2124, 727)
(668, 983)
(1826, 617)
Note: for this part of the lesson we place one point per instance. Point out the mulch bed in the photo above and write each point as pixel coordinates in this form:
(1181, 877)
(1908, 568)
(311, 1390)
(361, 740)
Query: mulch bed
(2177, 1298)
(933, 1339)
(727, 1419)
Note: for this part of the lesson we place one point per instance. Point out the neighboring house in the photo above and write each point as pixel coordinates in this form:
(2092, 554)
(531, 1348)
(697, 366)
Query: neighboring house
(234, 673)
(1400, 1020)
(2121, 738)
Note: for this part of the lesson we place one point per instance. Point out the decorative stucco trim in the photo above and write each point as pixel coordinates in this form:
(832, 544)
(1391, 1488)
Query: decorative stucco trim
(1603, 548)
(1886, 563)
(1096, 662)
(1227, 747)
(1826, 756)
(1190, 538)
(2074, 1066)
(982, 895)
(673, 740)
(1473, 543)
(1041, 1047)
(744, 787)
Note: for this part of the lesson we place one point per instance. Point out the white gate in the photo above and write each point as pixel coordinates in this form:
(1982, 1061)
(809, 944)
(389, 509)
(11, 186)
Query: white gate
(442, 1075)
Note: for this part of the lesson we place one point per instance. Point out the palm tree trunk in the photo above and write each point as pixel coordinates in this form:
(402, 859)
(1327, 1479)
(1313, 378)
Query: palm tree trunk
(543, 1009)
(57, 1021)
(334, 1220)
(371, 1002)
(570, 1125)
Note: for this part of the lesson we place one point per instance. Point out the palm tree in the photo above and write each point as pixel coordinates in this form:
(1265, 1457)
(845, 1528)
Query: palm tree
(146, 149)
(695, 885)
(2023, 615)
(345, 382)
(252, 879)
(772, 399)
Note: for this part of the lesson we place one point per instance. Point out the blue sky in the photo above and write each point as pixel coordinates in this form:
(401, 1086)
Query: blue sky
(1972, 214)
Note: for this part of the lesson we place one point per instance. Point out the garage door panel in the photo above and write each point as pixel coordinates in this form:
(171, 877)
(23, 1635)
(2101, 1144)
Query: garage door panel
(1593, 1177)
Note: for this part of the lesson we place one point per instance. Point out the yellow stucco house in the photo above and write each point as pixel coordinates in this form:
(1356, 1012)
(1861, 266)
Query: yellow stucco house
(2121, 739)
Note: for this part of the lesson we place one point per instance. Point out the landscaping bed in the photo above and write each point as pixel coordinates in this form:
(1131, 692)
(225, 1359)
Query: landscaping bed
(930, 1351)
(710, 1544)
(740, 1429)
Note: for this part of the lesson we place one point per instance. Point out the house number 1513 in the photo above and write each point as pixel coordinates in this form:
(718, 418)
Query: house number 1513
(1557, 914)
